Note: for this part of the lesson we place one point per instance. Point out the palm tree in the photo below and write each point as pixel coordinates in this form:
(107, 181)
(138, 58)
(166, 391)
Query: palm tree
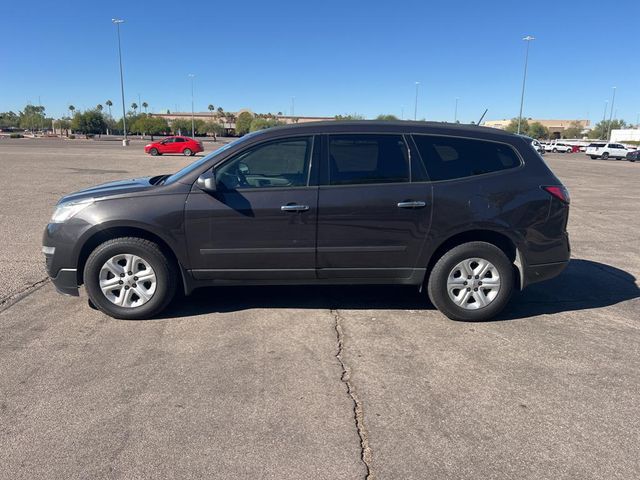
(108, 103)
(71, 110)
(220, 111)
(134, 107)
(211, 108)
(145, 105)
(99, 107)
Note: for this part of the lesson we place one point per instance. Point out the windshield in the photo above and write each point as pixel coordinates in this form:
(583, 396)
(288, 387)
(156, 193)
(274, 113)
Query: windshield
(198, 163)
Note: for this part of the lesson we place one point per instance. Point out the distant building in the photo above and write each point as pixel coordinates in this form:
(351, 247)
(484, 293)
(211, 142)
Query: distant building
(229, 123)
(556, 127)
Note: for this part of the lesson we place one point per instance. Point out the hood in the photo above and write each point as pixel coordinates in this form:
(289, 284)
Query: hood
(110, 189)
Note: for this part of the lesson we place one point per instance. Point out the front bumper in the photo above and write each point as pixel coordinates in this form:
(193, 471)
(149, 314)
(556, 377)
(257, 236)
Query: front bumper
(60, 260)
(66, 282)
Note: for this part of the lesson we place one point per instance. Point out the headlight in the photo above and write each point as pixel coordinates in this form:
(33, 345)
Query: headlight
(65, 211)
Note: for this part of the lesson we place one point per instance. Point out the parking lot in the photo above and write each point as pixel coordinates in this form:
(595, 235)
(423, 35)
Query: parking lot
(318, 382)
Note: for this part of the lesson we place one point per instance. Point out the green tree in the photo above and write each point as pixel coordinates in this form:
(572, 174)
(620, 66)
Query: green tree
(9, 120)
(574, 130)
(263, 123)
(513, 126)
(352, 116)
(537, 130)
(63, 124)
(601, 130)
(243, 123)
(210, 128)
(181, 126)
(99, 107)
(32, 117)
(71, 110)
(148, 125)
(89, 122)
(220, 111)
(109, 104)
(145, 105)
(386, 117)
(134, 107)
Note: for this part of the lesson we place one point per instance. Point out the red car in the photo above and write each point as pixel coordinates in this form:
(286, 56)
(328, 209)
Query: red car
(184, 145)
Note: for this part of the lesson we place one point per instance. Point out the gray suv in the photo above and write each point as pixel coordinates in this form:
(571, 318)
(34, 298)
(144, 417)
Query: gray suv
(470, 213)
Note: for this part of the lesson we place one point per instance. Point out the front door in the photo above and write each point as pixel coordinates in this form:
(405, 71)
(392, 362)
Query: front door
(261, 221)
(372, 220)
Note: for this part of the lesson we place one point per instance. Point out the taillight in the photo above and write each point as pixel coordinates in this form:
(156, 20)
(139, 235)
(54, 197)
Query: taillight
(558, 191)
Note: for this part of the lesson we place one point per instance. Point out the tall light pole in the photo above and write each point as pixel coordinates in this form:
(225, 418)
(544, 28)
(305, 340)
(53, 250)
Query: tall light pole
(455, 112)
(527, 39)
(415, 106)
(117, 23)
(604, 116)
(613, 102)
(193, 123)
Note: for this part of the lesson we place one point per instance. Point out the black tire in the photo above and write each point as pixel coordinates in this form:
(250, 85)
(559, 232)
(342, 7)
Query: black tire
(437, 284)
(555, 150)
(187, 152)
(605, 156)
(594, 157)
(165, 270)
(154, 152)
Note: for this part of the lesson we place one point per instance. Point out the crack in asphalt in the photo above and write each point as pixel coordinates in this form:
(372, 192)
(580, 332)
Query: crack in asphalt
(358, 413)
(12, 299)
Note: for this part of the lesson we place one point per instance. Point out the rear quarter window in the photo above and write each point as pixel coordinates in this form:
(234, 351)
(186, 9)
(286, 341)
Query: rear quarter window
(447, 158)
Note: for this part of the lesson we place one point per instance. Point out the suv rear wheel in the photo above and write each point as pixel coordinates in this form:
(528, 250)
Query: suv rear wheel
(471, 282)
(129, 278)
(605, 155)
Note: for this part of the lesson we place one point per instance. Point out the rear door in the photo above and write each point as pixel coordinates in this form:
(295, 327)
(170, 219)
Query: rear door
(261, 222)
(372, 220)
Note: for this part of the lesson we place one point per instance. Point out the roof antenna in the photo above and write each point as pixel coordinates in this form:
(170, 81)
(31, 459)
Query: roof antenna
(485, 112)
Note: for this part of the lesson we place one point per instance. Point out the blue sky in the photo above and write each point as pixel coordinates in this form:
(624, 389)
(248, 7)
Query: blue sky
(334, 57)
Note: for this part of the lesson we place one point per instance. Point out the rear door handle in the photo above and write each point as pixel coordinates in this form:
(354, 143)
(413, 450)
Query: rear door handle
(292, 207)
(412, 204)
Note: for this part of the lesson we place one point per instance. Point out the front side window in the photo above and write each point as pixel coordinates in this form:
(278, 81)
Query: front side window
(361, 159)
(280, 163)
(447, 158)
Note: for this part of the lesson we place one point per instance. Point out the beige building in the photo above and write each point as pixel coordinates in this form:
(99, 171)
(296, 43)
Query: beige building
(229, 123)
(556, 127)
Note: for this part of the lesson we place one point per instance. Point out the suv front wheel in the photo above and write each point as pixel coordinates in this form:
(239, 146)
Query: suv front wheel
(129, 278)
(471, 282)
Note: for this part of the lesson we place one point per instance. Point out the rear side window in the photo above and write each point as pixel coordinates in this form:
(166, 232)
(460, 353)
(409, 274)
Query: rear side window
(179, 140)
(358, 159)
(447, 158)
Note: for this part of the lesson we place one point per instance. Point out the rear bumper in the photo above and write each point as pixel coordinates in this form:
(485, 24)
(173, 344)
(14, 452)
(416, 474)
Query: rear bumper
(542, 272)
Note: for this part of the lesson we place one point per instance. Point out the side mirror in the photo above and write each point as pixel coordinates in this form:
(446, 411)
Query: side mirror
(207, 181)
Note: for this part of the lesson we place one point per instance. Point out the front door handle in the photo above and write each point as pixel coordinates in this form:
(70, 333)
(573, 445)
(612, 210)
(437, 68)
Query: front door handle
(292, 207)
(412, 204)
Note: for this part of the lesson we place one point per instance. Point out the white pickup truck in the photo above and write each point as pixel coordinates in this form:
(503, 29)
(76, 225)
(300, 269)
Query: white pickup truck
(606, 150)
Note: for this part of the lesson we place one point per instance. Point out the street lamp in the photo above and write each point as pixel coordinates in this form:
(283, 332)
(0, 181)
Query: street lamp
(527, 39)
(415, 107)
(117, 23)
(455, 113)
(613, 101)
(604, 116)
(193, 128)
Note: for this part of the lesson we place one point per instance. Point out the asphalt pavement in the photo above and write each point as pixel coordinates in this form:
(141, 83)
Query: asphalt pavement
(318, 382)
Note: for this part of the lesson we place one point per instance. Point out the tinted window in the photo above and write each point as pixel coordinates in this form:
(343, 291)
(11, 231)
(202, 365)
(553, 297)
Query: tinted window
(447, 157)
(357, 159)
(178, 140)
(597, 145)
(282, 163)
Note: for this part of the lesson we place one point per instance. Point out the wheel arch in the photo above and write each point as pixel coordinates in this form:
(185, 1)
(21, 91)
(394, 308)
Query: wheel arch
(498, 239)
(110, 233)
